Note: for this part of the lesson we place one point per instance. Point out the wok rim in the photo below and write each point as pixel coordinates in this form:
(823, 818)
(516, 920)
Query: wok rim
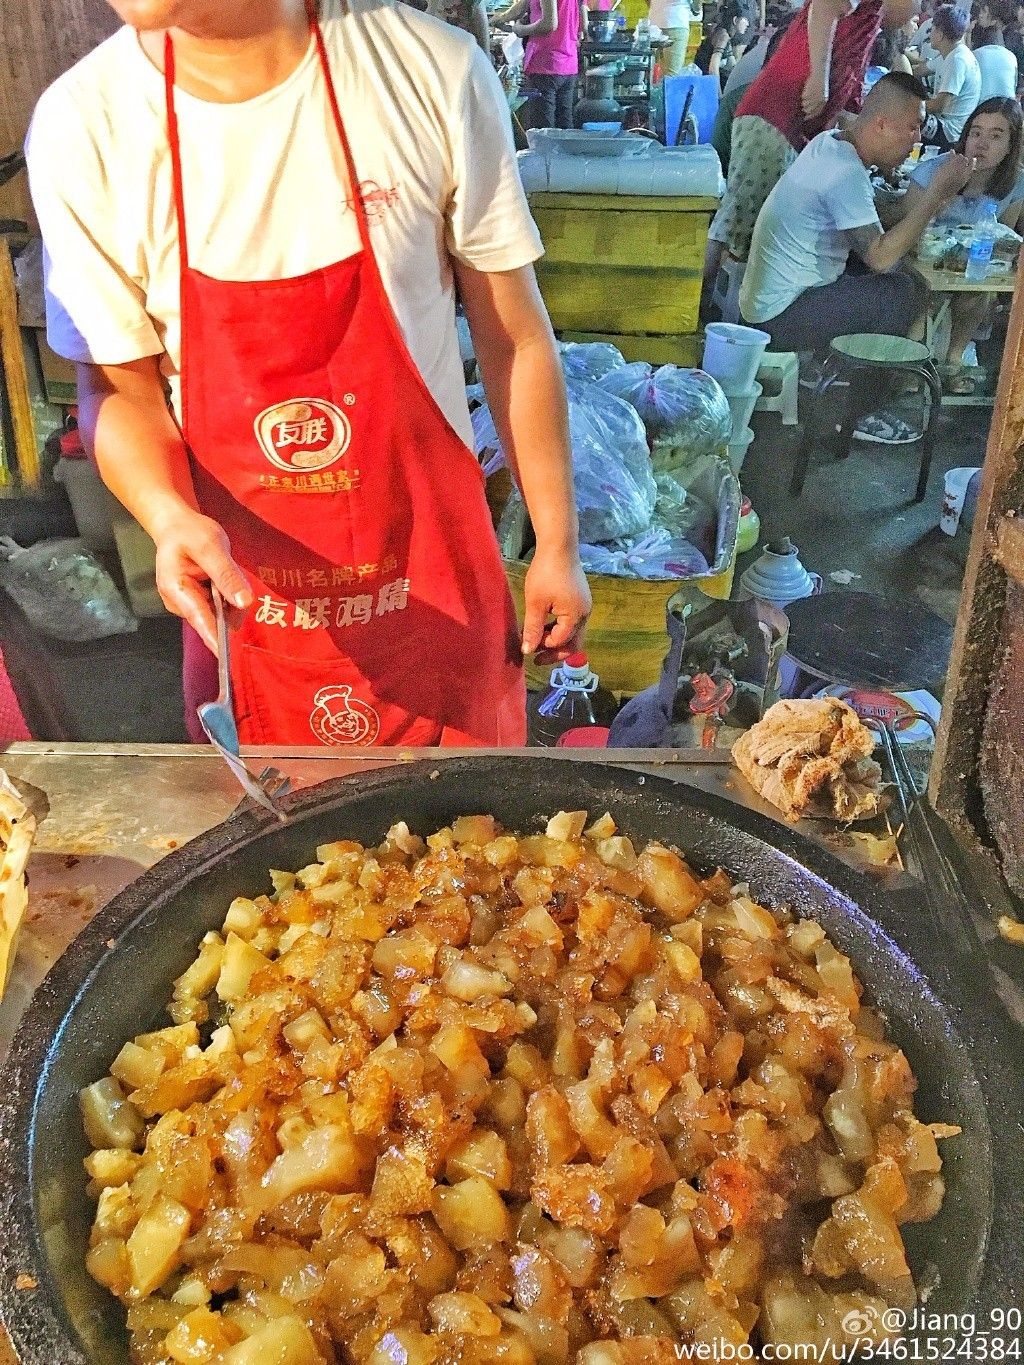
(36, 1318)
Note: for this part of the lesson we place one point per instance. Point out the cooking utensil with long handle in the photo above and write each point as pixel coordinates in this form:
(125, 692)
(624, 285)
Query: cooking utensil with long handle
(929, 845)
(218, 720)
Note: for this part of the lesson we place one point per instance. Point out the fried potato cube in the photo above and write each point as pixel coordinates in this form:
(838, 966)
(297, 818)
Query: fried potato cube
(200, 978)
(598, 1132)
(404, 954)
(668, 884)
(136, 1066)
(455, 1046)
(243, 918)
(549, 1128)
(109, 1118)
(602, 828)
(406, 1344)
(401, 1184)
(327, 1159)
(116, 1213)
(475, 829)
(110, 1167)
(283, 1341)
(239, 964)
(303, 1030)
(470, 981)
(154, 1246)
(577, 1196)
(107, 1263)
(200, 1337)
(616, 852)
(578, 1252)
(465, 1313)
(567, 825)
(471, 1213)
(483, 1153)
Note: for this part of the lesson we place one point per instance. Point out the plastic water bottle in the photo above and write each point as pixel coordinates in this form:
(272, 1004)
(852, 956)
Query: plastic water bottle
(574, 699)
(982, 242)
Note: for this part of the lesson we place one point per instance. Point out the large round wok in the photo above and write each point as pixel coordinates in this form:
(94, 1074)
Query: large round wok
(114, 982)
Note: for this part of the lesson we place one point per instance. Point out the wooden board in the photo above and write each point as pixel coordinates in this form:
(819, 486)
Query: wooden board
(12, 359)
(39, 42)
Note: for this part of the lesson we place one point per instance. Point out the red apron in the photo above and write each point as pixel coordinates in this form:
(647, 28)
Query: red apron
(381, 611)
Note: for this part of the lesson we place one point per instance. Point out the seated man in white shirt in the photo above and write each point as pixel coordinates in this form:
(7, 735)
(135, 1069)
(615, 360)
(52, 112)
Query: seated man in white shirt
(957, 81)
(997, 64)
(799, 286)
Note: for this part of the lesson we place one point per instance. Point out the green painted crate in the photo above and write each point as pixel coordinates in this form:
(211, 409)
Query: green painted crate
(622, 263)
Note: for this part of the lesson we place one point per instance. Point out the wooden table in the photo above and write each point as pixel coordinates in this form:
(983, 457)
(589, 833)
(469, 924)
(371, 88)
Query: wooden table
(943, 284)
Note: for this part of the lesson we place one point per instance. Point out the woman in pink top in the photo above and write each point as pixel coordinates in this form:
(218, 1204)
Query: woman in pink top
(554, 32)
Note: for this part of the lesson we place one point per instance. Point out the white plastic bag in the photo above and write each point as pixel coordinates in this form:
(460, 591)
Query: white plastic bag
(64, 590)
(687, 405)
(588, 361)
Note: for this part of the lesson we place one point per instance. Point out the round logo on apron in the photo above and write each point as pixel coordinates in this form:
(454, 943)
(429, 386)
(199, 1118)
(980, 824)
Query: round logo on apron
(303, 435)
(339, 718)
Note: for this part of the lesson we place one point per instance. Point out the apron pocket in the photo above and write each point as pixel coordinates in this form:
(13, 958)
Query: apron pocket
(317, 701)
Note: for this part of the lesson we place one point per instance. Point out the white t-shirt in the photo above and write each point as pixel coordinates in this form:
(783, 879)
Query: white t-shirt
(798, 240)
(959, 76)
(666, 14)
(266, 191)
(998, 67)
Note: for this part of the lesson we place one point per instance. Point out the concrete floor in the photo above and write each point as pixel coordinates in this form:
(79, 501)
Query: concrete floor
(855, 516)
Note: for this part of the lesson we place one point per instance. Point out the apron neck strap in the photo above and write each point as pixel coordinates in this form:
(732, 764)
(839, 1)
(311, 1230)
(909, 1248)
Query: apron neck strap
(175, 145)
(357, 199)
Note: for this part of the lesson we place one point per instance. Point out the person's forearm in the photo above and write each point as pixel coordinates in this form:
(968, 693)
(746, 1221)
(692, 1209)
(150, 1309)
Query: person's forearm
(821, 27)
(138, 450)
(715, 64)
(479, 27)
(526, 392)
(893, 245)
(938, 102)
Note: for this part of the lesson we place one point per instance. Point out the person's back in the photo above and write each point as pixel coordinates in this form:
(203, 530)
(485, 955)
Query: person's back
(557, 53)
(997, 65)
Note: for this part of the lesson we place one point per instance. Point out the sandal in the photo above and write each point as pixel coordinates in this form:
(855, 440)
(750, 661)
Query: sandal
(959, 383)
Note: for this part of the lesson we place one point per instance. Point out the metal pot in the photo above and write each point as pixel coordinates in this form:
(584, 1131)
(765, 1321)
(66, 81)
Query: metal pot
(601, 30)
(115, 981)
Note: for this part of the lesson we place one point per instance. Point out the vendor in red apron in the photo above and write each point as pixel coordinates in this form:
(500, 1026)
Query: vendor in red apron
(256, 213)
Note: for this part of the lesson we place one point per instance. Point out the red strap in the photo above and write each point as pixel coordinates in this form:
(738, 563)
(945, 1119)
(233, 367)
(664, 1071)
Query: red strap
(172, 138)
(175, 145)
(357, 198)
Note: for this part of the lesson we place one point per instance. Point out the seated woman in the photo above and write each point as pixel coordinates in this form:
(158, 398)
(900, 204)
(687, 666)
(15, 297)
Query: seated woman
(992, 139)
(722, 49)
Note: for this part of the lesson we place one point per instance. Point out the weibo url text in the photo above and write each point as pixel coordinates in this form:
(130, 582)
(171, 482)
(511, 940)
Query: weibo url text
(872, 1335)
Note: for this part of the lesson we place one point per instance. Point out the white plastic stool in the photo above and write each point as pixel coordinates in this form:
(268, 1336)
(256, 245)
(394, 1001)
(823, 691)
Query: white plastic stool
(726, 292)
(782, 369)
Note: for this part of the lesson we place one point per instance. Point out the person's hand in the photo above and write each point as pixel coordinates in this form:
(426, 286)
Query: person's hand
(191, 552)
(952, 175)
(814, 96)
(556, 586)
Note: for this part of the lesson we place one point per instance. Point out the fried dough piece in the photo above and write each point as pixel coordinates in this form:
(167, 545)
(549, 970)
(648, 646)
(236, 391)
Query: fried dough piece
(812, 758)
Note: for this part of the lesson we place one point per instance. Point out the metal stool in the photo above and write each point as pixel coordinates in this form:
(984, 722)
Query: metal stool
(848, 358)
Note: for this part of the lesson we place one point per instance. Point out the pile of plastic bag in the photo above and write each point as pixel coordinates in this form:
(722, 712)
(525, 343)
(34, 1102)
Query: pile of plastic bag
(64, 590)
(632, 523)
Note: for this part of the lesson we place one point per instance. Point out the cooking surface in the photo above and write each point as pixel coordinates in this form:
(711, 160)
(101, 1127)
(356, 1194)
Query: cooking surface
(115, 812)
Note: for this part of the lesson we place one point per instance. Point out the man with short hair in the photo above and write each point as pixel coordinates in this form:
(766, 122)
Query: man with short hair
(797, 285)
(957, 81)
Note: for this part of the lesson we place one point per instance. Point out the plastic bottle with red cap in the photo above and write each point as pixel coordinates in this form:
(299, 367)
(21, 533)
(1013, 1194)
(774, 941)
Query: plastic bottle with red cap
(574, 700)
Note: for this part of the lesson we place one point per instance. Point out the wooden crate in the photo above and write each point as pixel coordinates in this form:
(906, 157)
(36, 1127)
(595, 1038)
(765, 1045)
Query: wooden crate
(626, 636)
(622, 263)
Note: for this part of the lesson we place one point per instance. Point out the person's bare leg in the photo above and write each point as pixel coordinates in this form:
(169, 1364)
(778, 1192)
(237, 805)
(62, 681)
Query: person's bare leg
(714, 254)
(967, 313)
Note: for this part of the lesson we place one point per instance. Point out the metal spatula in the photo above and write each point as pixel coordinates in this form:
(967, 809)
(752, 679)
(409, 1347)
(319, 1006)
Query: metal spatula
(218, 720)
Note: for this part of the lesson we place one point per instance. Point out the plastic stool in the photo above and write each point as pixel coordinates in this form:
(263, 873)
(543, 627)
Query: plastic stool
(785, 365)
(726, 293)
(849, 358)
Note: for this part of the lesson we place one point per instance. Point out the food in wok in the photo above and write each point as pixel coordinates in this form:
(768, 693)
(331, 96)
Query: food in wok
(487, 1097)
